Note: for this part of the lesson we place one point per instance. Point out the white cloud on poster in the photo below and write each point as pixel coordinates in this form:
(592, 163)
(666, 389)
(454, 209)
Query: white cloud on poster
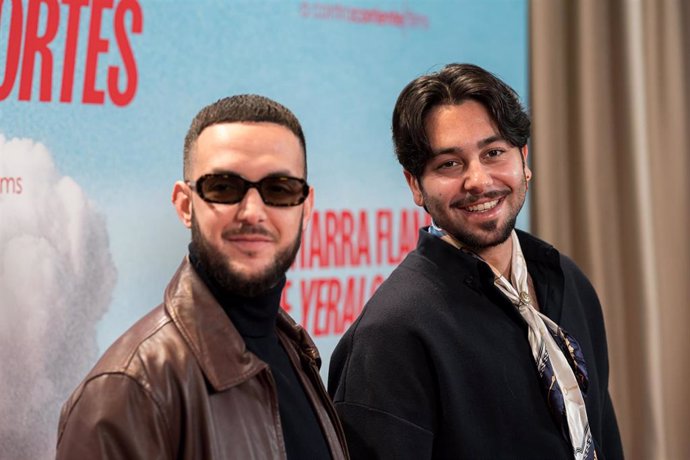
(56, 281)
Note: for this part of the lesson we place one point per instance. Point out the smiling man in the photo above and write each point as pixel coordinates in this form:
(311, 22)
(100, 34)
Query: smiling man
(219, 371)
(485, 342)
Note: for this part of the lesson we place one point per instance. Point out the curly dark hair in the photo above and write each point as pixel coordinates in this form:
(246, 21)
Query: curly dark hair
(241, 108)
(453, 84)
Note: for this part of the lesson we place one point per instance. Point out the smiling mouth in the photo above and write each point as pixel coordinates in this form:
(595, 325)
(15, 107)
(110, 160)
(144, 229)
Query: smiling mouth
(482, 207)
(249, 238)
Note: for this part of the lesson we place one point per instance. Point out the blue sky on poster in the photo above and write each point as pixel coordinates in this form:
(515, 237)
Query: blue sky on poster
(341, 78)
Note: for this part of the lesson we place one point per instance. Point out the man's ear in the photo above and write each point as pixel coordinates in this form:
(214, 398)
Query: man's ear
(182, 200)
(528, 172)
(308, 208)
(415, 187)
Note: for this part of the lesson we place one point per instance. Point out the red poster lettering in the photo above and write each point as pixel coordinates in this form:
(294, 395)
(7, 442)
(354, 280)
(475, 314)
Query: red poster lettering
(332, 301)
(384, 233)
(73, 18)
(330, 305)
(332, 246)
(325, 304)
(315, 304)
(34, 40)
(363, 241)
(315, 240)
(336, 239)
(407, 237)
(346, 226)
(392, 246)
(14, 43)
(121, 98)
(284, 303)
(97, 45)
(308, 293)
(11, 185)
(353, 303)
(35, 44)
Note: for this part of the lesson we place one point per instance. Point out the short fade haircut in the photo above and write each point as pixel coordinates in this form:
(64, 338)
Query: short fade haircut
(452, 85)
(238, 109)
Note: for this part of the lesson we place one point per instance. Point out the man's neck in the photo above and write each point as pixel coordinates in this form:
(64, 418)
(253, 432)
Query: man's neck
(498, 257)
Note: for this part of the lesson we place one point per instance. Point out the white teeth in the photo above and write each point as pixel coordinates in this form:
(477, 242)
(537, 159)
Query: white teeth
(483, 206)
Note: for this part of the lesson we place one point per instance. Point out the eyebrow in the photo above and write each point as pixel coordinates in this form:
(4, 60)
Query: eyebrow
(278, 173)
(480, 144)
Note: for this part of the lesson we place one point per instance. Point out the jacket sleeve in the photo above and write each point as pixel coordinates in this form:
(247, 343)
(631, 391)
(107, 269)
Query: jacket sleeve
(112, 417)
(384, 393)
(611, 447)
(375, 434)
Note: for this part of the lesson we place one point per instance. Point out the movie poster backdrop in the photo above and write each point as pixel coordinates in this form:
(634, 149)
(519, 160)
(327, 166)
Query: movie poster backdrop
(95, 99)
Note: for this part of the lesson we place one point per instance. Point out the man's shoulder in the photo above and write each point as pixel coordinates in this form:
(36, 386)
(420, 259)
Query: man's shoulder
(535, 248)
(425, 274)
(413, 278)
(147, 343)
(532, 244)
(414, 296)
(137, 359)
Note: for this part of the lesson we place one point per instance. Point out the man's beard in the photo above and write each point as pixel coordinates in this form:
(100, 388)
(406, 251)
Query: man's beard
(472, 242)
(220, 270)
(476, 241)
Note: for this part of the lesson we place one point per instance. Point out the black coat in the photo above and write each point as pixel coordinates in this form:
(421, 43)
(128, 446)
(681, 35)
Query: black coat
(438, 365)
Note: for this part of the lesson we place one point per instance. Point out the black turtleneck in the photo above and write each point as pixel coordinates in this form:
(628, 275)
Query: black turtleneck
(255, 320)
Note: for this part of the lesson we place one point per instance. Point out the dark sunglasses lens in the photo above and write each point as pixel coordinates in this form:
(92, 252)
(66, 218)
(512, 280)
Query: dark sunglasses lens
(223, 189)
(283, 191)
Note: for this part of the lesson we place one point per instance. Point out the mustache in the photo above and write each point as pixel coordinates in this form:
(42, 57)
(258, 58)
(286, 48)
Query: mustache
(248, 230)
(471, 199)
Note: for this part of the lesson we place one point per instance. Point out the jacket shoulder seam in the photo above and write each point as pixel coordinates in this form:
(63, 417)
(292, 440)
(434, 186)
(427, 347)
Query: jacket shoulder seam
(386, 413)
(141, 385)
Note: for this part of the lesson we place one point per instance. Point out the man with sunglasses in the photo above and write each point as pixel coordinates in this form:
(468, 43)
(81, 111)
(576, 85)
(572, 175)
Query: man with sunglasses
(219, 371)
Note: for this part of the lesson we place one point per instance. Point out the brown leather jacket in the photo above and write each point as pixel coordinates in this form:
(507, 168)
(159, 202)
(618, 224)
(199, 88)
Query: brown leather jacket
(180, 384)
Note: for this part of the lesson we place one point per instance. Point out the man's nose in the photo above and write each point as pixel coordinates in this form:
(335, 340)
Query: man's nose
(252, 208)
(477, 177)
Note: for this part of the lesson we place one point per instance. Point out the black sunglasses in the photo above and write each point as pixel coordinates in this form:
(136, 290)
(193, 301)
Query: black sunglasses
(231, 188)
